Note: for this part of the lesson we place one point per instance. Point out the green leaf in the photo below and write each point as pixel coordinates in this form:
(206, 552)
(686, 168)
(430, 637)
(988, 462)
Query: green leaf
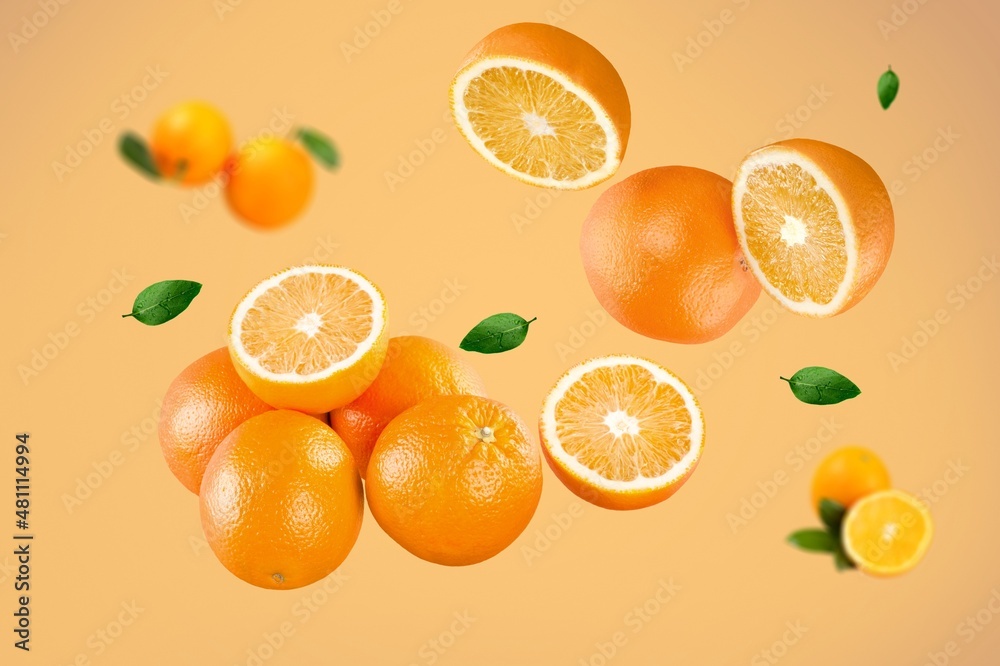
(159, 303)
(888, 87)
(813, 541)
(134, 150)
(320, 147)
(821, 386)
(832, 514)
(499, 333)
(842, 561)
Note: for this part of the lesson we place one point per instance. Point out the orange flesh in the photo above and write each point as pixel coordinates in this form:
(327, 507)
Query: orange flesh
(532, 123)
(802, 268)
(652, 422)
(888, 533)
(307, 323)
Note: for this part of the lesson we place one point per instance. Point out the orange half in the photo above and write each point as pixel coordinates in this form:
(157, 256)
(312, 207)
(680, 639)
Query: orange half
(310, 338)
(887, 533)
(622, 432)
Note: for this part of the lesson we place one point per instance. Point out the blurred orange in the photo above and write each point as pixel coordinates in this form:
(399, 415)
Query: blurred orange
(847, 475)
(190, 142)
(270, 182)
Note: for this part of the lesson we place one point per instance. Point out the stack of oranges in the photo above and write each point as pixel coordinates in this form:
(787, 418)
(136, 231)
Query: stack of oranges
(451, 475)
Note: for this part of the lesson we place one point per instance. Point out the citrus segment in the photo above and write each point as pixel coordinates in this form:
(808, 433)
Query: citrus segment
(887, 533)
(622, 432)
(815, 222)
(543, 106)
(310, 338)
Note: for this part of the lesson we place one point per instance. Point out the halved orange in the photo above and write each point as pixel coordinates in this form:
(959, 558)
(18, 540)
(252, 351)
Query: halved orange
(815, 223)
(543, 106)
(310, 338)
(622, 432)
(887, 533)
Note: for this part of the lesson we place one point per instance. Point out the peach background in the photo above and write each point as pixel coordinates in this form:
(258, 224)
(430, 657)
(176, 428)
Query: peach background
(136, 537)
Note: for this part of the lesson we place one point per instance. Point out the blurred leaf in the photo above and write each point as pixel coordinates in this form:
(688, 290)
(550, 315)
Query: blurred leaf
(134, 150)
(813, 541)
(320, 147)
(888, 88)
(832, 514)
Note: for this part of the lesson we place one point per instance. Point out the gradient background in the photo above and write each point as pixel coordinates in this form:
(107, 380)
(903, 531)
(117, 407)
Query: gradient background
(447, 249)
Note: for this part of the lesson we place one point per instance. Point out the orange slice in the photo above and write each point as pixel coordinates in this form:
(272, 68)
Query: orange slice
(887, 533)
(543, 106)
(622, 432)
(815, 223)
(310, 338)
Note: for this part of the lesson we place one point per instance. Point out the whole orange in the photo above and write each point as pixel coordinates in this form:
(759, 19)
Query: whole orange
(415, 368)
(455, 479)
(270, 182)
(847, 475)
(203, 405)
(661, 255)
(281, 502)
(190, 142)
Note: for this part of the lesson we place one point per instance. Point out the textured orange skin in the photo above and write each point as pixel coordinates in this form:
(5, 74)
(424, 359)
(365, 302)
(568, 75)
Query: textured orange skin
(867, 202)
(442, 493)
(202, 406)
(282, 497)
(847, 475)
(194, 135)
(415, 369)
(661, 255)
(270, 182)
(563, 51)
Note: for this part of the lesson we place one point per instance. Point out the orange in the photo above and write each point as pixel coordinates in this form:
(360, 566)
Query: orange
(203, 405)
(847, 475)
(661, 255)
(281, 502)
(455, 479)
(887, 533)
(310, 338)
(190, 142)
(415, 369)
(622, 432)
(270, 182)
(543, 106)
(815, 223)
